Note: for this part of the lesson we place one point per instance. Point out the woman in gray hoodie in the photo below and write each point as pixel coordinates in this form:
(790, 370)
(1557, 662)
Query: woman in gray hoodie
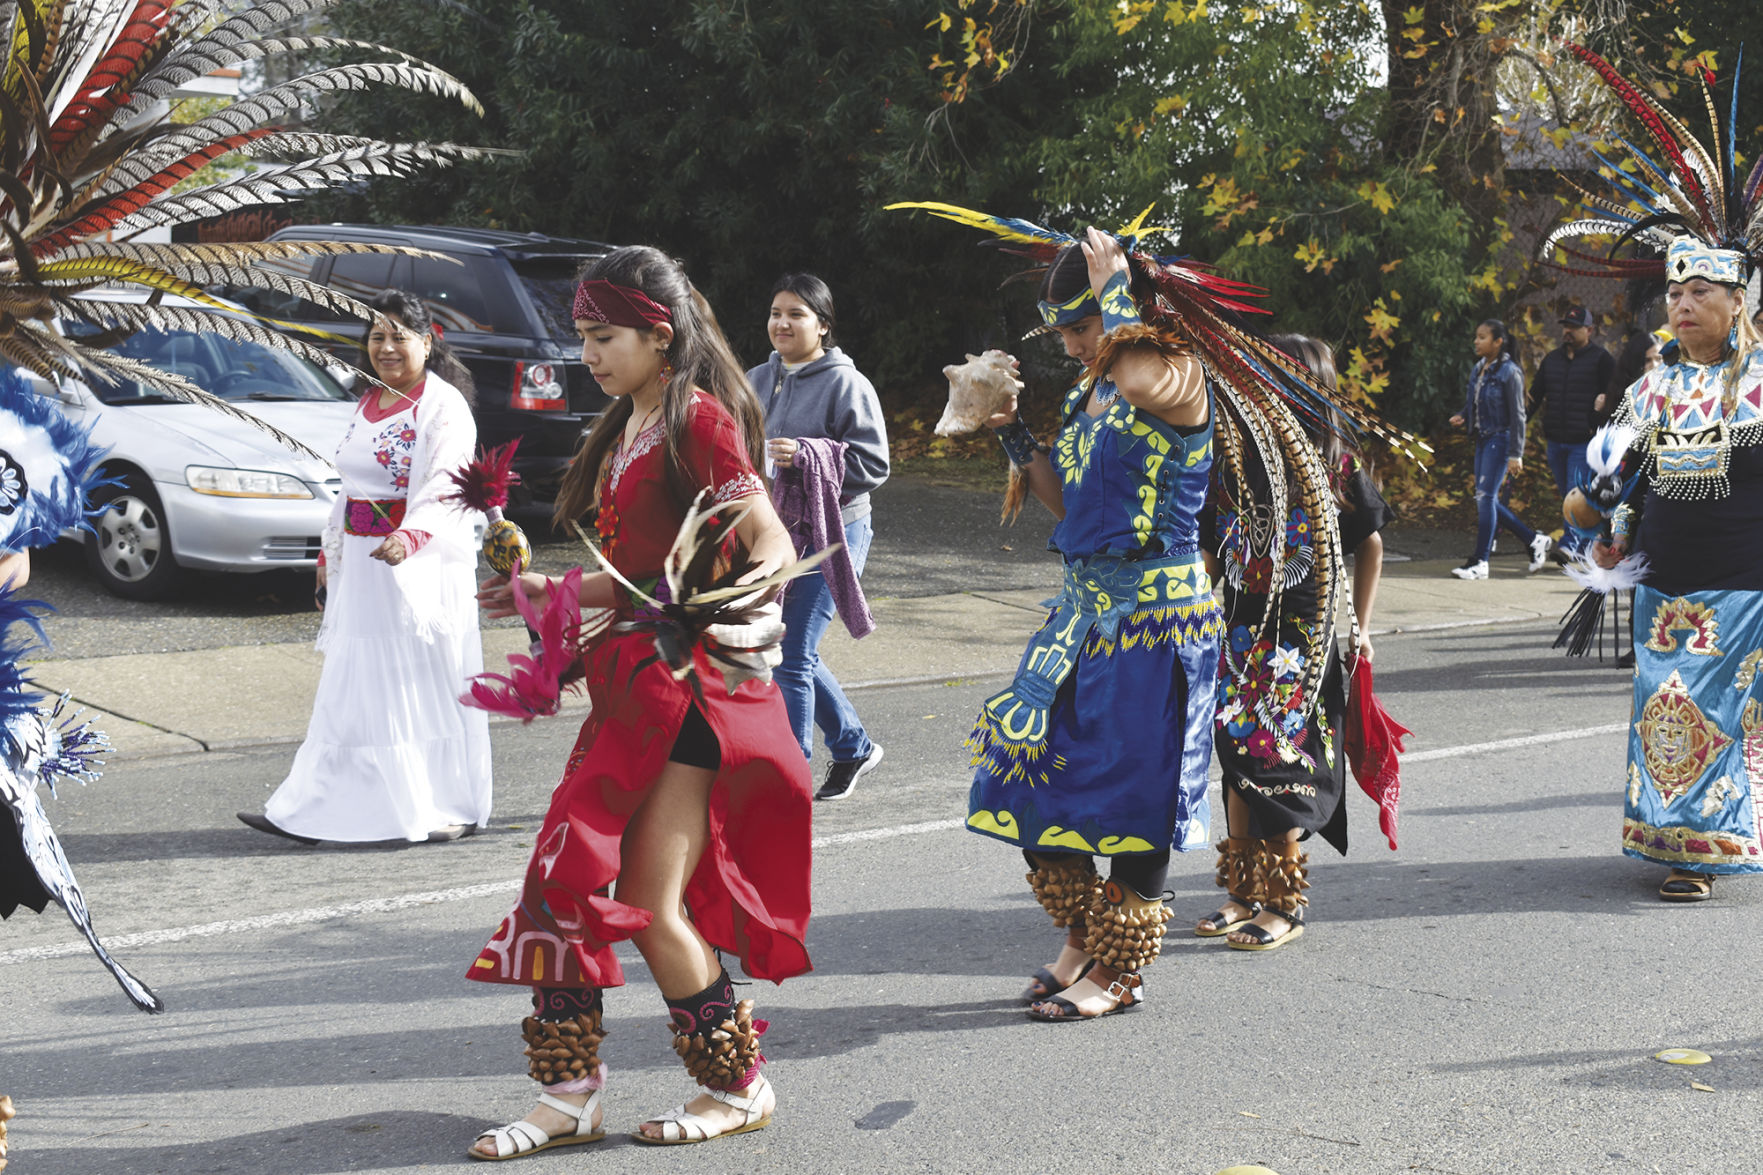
(829, 444)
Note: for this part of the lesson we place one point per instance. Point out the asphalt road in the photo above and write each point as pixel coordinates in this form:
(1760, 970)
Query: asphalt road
(1486, 1000)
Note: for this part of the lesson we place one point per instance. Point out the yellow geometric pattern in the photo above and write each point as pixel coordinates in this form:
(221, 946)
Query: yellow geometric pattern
(1699, 618)
(1748, 670)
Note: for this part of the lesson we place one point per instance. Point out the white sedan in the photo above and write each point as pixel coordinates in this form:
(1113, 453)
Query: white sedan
(195, 488)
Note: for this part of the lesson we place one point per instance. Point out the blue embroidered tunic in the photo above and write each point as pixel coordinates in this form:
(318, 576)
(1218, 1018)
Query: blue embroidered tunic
(1101, 743)
(1695, 750)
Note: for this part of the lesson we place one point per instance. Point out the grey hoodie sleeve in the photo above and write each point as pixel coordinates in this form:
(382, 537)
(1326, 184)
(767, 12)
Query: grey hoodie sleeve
(856, 419)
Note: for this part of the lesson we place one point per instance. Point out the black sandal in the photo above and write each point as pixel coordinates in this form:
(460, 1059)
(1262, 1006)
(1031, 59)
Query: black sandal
(264, 824)
(1686, 885)
(1221, 923)
(1127, 991)
(1266, 940)
(1044, 985)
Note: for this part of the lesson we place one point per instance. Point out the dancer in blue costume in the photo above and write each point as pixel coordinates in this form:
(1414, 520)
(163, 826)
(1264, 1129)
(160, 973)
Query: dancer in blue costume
(1100, 745)
(1134, 633)
(1688, 532)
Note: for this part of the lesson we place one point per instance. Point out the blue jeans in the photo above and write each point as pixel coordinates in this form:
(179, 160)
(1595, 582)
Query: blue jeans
(811, 693)
(1490, 512)
(1567, 462)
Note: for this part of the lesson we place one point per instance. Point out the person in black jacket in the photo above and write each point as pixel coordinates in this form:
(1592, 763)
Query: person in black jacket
(1570, 389)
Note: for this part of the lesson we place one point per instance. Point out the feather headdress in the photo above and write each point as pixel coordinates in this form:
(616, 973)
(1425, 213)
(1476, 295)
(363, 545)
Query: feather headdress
(88, 154)
(1683, 200)
(1264, 397)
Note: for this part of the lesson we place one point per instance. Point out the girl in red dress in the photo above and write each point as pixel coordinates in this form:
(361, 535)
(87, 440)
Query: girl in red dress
(682, 821)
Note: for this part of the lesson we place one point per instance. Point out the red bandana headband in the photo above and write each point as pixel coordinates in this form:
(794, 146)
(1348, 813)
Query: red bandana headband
(616, 305)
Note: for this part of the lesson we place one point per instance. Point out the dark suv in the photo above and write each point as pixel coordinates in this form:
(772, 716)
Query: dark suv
(504, 309)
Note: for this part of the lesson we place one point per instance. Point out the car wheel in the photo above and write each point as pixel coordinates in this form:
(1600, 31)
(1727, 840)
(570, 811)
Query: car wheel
(130, 549)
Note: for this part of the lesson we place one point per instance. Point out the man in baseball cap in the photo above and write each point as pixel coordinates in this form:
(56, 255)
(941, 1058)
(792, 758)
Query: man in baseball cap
(1572, 391)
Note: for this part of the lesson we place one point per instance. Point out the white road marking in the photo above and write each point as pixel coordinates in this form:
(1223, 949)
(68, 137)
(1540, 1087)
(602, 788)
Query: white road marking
(847, 838)
(463, 893)
(1507, 744)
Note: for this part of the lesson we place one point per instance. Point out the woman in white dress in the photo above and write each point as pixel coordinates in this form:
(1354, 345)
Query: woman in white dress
(391, 754)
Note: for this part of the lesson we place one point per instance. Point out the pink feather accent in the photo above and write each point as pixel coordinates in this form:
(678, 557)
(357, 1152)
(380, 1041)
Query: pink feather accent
(483, 483)
(532, 688)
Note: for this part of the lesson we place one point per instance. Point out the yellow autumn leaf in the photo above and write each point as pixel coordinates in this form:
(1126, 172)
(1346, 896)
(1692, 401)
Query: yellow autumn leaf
(1379, 195)
(1413, 15)
(1174, 104)
(1311, 253)
(942, 22)
(1382, 322)
(1390, 266)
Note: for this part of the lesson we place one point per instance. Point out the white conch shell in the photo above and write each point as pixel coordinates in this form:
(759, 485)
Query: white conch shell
(979, 388)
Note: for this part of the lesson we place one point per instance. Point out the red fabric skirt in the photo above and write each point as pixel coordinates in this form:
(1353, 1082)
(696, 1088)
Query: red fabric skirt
(750, 894)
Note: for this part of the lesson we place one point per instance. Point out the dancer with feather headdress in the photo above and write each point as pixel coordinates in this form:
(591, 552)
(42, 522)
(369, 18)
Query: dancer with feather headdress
(686, 789)
(1100, 746)
(89, 156)
(1686, 503)
(1284, 755)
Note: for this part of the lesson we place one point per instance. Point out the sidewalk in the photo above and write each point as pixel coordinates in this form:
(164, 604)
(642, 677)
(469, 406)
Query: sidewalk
(156, 704)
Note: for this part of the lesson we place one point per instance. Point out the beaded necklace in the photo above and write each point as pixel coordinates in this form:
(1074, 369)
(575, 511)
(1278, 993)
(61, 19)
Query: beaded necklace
(1691, 416)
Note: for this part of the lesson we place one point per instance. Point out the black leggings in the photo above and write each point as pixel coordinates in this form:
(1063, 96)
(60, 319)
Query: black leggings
(1145, 873)
(697, 745)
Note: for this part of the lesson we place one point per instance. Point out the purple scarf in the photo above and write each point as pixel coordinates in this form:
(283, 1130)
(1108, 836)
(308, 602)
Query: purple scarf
(806, 495)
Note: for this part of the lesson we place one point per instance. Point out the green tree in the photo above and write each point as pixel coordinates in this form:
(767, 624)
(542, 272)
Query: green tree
(746, 139)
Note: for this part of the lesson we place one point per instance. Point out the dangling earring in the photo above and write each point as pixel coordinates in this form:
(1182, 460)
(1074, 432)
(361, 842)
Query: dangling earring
(1732, 336)
(666, 370)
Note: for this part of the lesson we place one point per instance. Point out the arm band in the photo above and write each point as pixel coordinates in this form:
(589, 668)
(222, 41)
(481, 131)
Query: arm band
(1019, 443)
(1622, 523)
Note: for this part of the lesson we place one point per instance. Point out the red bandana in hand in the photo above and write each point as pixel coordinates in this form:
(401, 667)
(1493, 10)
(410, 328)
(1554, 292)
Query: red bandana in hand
(1373, 738)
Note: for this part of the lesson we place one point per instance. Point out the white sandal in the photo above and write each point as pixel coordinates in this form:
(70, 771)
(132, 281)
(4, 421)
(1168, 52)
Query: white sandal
(523, 1138)
(679, 1126)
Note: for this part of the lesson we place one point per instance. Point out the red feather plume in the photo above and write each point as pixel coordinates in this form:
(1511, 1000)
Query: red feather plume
(114, 208)
(105, 88)
(483, 484)
(1643, 109)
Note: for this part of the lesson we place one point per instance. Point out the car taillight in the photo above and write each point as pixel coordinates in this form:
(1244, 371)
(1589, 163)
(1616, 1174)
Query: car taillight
(537, 388)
